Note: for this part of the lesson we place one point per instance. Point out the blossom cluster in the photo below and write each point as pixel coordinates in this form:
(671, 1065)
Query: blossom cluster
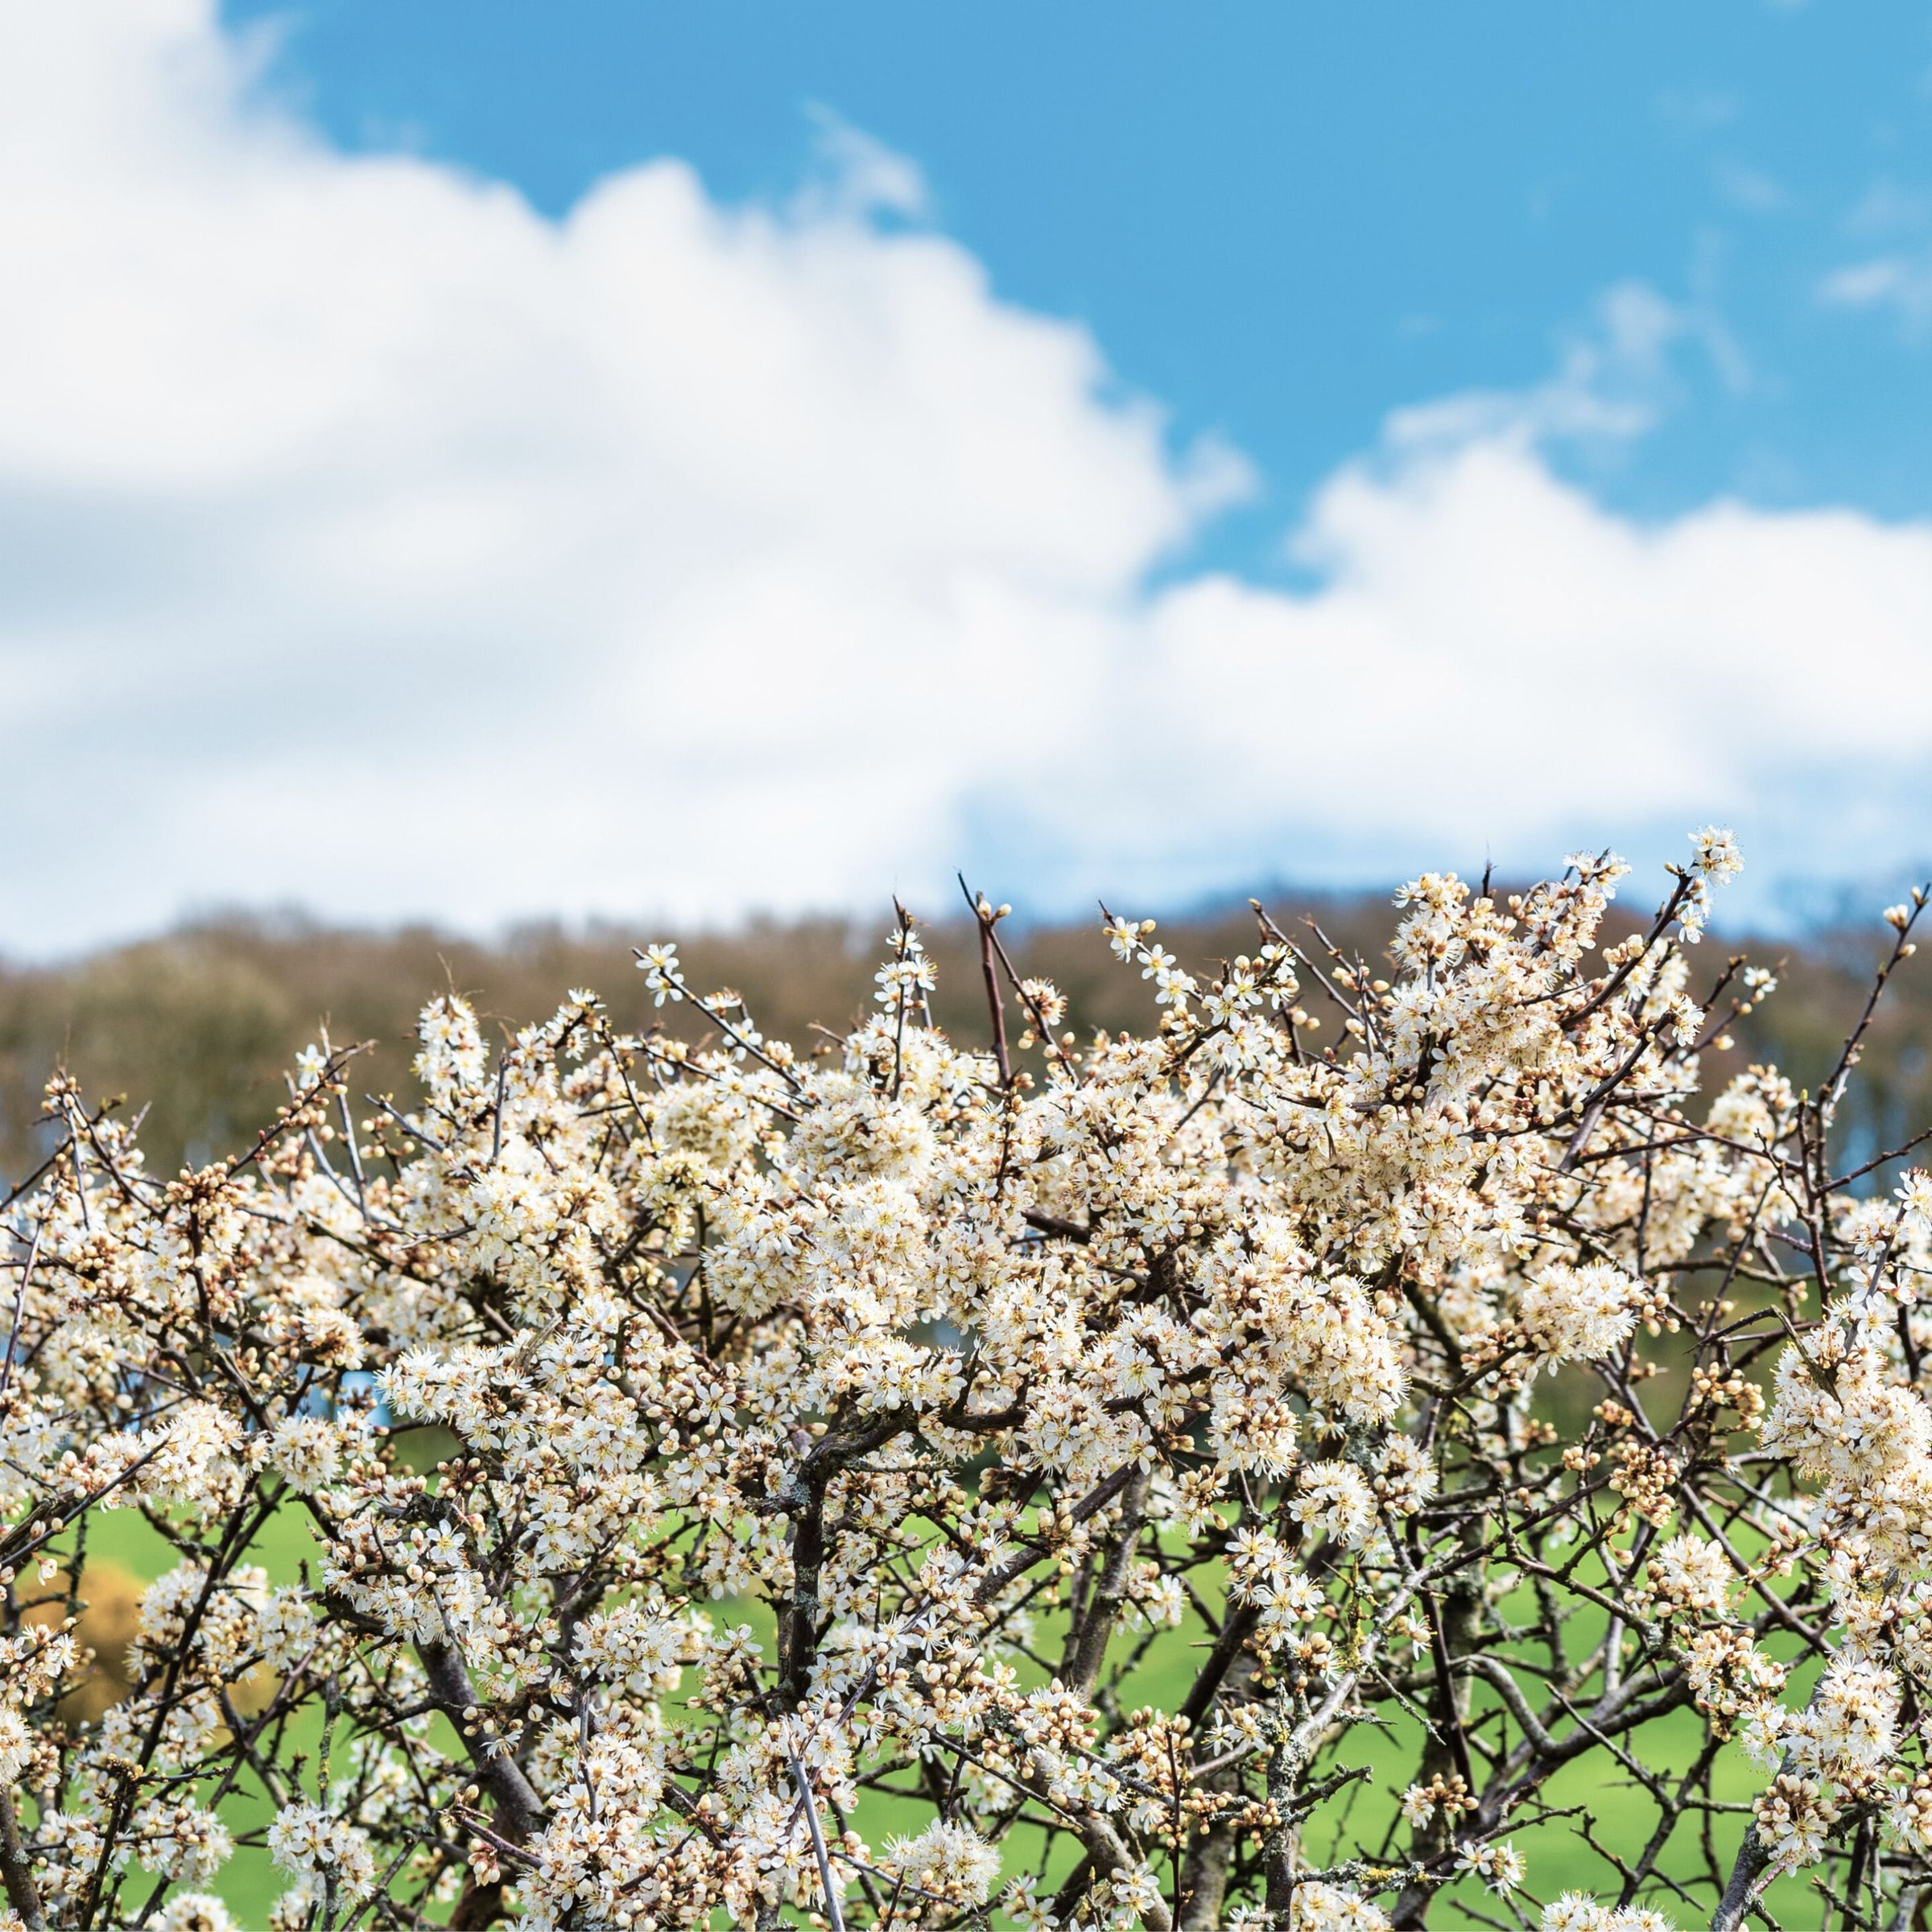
(753, 1481)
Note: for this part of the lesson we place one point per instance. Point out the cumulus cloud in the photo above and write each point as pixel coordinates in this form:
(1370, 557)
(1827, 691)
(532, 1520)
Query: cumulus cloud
(368, 537)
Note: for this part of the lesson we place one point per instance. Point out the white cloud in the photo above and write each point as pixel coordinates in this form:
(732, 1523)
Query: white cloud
(1561, 670)
(1697, 110)
(1750, 189)
(1900, 283)
(1612, 382)
(367, 538)
(859, 175)
(1891, 218)
(1890, 206)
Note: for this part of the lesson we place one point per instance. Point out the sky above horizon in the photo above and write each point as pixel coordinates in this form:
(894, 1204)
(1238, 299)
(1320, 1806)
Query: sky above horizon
(479, 461)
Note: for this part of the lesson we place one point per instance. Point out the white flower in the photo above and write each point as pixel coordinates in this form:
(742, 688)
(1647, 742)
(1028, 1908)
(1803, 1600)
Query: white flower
(194, 1911)
(1573, 1314)
(305, 1840)
(949, 1860)
(1502, 1865)
(307, 1450)
(16, 1743)
(1335, 1497)
(661, 973)
(1718, 855)
(1320, 1907)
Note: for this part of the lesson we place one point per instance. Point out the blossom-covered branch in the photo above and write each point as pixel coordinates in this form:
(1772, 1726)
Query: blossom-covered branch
(1207, 1478)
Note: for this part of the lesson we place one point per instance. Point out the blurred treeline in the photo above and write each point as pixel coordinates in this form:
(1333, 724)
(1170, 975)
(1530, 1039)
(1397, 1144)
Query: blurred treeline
(199, 1026)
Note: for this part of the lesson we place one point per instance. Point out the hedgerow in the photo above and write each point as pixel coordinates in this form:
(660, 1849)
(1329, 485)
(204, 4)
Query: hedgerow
(1038, 1479)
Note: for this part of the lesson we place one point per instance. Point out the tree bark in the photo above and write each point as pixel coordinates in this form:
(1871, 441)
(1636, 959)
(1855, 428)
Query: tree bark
(22, 1893)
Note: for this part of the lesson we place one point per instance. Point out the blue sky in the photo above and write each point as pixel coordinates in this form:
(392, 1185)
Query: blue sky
(477, 461)
(1284, 221)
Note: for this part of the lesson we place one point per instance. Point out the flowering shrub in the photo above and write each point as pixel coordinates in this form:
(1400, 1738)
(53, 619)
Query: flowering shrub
(1211, 1478)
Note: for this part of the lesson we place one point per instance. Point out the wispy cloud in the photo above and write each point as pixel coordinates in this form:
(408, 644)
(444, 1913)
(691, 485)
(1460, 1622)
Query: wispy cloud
(1614, 379)
(856, 175)
(1893, 219)
(1889, 206)
(1697, 110)
(1899, 283)
(1750, 189)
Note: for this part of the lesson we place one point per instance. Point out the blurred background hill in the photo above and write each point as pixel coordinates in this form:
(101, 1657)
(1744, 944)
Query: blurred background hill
(197, 1025)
